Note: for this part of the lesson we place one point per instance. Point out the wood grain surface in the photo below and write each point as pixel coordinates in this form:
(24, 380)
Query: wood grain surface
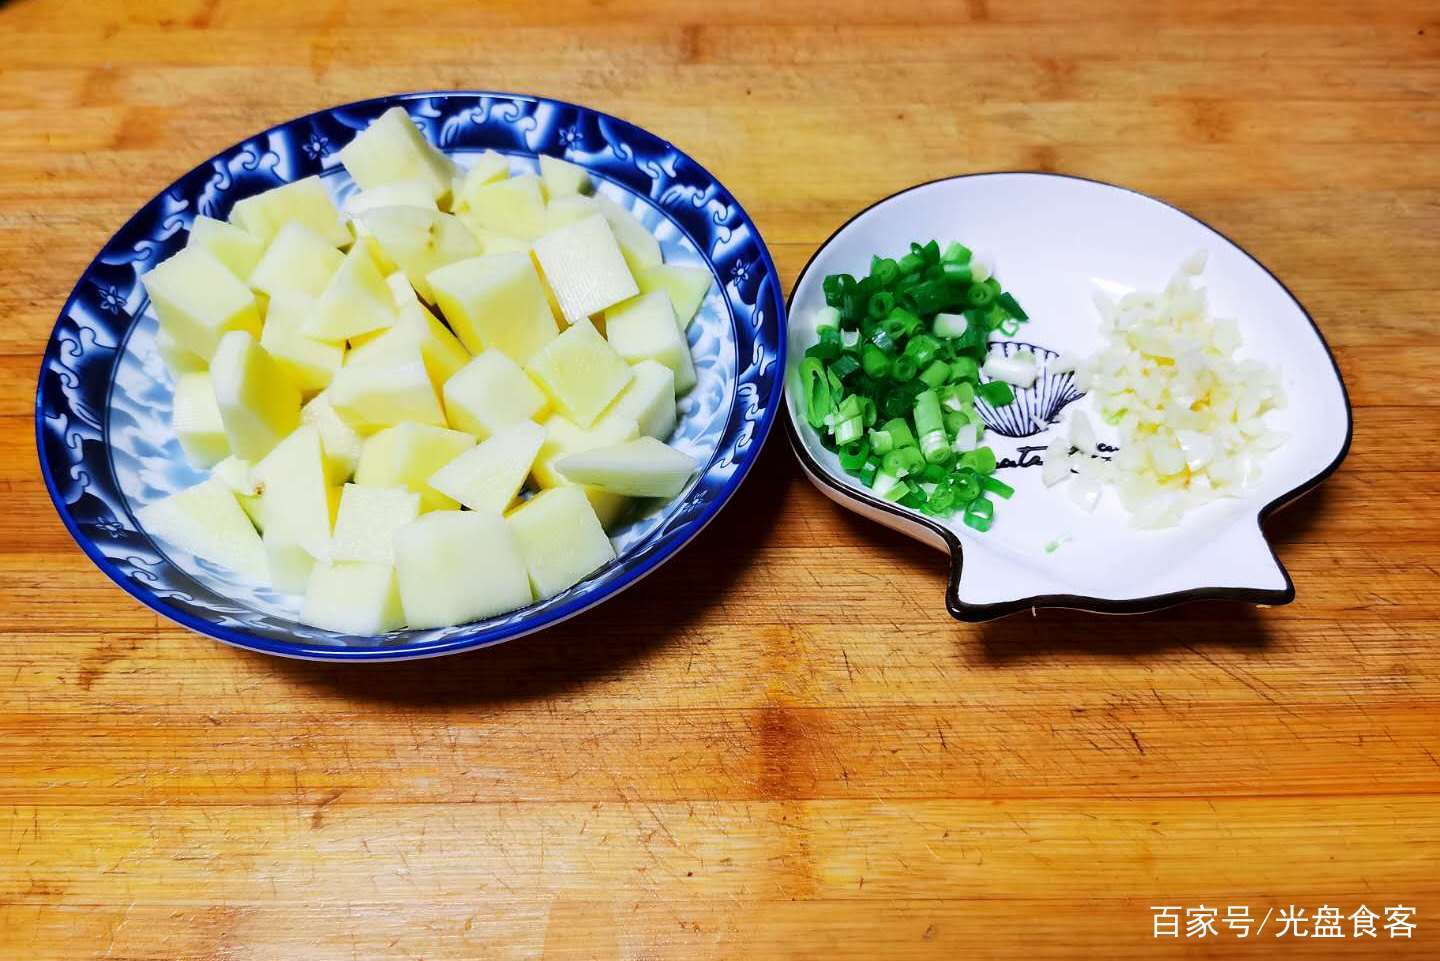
(779, 745)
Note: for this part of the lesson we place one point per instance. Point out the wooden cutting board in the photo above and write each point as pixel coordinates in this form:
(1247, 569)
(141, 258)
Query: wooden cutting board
(778, 746)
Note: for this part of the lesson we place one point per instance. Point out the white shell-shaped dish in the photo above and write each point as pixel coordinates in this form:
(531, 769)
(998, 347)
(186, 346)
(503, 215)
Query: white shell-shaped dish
(1054, 241)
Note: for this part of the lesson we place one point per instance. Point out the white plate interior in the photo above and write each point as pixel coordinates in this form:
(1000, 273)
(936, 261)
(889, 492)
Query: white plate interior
(1054, 241)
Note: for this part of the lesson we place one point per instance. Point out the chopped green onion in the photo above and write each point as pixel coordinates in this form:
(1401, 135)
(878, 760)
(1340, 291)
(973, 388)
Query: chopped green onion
(996, 486)
(936, 374)
(979, 295)
(850, 430)
(905, 343)
(950, 325)
(844, 366)
(955, 253)
(981, 460)
(854, 454)
(903, 368)
(880, 304)
(1012, 306)
(818, 402)
(997, 393)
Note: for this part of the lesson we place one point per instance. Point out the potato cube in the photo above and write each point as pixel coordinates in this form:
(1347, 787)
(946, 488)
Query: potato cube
(561, 540)
(489, 475)
(370, 397)
(687, 287)
(195, 417)
(637, 243)
(581, 372)
(178, 359)
(458, 566)
(205, 520)
(338, 440)
(356, 301)
(513, 206)
(198, 300)
(353, 598)
(643, 467)
(645, 329)
(649, 401)
(490, 393)
(420, 241)
(258, 403)
(487, 169)
(304, 202)
(290, 564)
(297, 259)
(402, 193)
(494, 242)
(309, 363)
(567, 209)
(582, 264)
(415, 329)
(495, 301)
(368, 519)
(231, 245)
(295, 491)
(407, 455)
(561, 178)
(392, 149)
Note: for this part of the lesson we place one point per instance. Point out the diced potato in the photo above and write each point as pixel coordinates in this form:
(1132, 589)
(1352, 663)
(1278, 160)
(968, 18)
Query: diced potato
(356, 301)
(458, 566)
(649, 400)
(490, 393)
(304, 202)
(309, 363)
(561, 178)
(196, 419)
(297, 259)
(407, 455)
(637, 243)
(231, 245)
(563, 437)
(238, 475)
(198, 300)
(513, 206)
(645, 329)
(178, 359)
(489, 475)
(206, 521)
(567, 209)
(290, 564)
(368, 519)
(402, 193)
(402, 291)
(258, 403)
(295, 491)
(487, 169)
(416, 329)
(561, 540)
(353, 598)
(643, 467)
(370, 397)
(687, 287)
(495, 301)
(420, 241)
(494, 242)
(339, 441)
(391, 149)
(581, 372)
(582, 264)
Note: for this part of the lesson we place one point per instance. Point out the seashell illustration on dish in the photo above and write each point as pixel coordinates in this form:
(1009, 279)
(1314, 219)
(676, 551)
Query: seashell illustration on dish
(1036, 407)
(1055, 241)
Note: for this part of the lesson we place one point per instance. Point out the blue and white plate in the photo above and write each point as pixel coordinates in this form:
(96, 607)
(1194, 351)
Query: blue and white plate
(102, 409)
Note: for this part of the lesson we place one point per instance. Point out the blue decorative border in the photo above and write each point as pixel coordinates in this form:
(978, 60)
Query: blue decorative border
(77, 374)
